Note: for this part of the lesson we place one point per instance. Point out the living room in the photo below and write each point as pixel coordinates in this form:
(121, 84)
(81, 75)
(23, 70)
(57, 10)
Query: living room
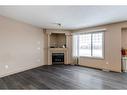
(63, 47)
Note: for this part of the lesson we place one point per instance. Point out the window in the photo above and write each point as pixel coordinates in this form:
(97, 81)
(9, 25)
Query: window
(85, 45)
(89, 44)
(97, 44)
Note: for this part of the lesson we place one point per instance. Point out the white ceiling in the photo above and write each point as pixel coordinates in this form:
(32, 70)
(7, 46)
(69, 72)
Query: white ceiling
(71, 17)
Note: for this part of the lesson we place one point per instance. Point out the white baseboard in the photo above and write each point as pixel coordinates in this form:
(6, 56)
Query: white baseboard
(20, 70)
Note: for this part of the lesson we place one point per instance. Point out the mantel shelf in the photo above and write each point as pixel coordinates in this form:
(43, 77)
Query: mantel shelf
(58, 49)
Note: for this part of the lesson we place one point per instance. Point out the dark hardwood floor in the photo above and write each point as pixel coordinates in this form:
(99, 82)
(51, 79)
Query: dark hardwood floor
(64, 77)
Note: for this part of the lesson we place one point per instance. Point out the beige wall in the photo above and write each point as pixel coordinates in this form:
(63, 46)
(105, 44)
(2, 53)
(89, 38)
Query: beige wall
(112, 48)
(124, 38)
(45, 47)
(21, 46)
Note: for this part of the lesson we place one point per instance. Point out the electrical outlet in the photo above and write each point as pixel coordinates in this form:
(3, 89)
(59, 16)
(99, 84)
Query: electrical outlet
(38, 60)
(38, 48)
(38, 42)
(6, 66)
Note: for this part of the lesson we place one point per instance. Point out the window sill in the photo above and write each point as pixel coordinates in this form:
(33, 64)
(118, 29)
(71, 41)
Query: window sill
(99, 58)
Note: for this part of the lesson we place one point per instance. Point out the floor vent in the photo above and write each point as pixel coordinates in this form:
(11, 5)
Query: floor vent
(106, 70)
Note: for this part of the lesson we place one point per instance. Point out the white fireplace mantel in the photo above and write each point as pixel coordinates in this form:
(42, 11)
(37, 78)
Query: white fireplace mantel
(59, 50)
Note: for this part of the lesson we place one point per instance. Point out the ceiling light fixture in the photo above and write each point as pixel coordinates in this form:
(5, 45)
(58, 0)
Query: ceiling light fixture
(58, 25)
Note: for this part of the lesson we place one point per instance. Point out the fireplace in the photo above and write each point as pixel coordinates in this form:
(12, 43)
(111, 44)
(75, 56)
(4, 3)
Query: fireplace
(57, 58)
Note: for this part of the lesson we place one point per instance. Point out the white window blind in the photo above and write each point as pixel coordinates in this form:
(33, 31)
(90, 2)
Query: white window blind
(89, 44)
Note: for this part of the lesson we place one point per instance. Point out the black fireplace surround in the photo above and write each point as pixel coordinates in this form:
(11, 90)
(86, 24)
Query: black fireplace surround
(57, 58)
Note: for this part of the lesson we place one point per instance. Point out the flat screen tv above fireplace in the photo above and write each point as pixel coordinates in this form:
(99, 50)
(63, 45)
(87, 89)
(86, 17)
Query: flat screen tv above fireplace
(57, 58)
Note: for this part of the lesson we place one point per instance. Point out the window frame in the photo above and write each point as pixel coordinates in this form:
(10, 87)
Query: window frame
(103, 45)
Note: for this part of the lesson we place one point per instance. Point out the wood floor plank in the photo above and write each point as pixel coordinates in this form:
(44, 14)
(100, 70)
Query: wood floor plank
(64, 77)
